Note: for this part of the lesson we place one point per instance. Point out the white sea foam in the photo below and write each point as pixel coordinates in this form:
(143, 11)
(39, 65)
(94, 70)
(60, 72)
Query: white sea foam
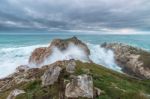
(103, 57)
(10, 58)
(72, 52)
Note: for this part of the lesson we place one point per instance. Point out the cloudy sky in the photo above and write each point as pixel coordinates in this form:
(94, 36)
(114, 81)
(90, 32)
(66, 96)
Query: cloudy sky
(102, 16)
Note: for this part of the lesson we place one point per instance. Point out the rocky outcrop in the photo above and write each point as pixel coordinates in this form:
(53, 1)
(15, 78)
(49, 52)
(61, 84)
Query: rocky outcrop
(70, 66)
(15, 93)
(80, 86)
(133, 61)
(51, 75)
(40, 54)
(20, 77)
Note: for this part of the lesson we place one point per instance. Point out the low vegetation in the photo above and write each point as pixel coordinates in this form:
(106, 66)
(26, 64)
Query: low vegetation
(114, 85)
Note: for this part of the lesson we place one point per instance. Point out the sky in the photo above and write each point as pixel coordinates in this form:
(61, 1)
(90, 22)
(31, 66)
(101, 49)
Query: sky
(89, 16)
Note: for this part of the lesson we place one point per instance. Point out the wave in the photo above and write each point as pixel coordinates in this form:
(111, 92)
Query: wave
(11, 58)
(103, 57)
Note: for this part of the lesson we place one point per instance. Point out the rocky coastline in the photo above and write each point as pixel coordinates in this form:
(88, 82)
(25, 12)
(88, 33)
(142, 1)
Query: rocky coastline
(132, 60)
(73, 79)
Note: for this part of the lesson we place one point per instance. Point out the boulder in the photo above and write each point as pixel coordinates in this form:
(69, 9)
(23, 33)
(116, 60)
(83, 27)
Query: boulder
(132, 60)
(39, 55)
(51, 75)
(80, 86)
(15, 93)
(70, 66)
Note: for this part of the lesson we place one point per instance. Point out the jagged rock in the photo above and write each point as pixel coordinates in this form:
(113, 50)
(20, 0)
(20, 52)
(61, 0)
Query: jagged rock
(51, 75)
(40, 54)
(15, 93)
(80, 86)
(133, 61)
(20, 77)
(70, 66)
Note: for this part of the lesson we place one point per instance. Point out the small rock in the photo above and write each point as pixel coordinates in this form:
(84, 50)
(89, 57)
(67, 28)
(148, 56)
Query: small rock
(97, 92)
(15, 93)
(22, 68)
(70, 67)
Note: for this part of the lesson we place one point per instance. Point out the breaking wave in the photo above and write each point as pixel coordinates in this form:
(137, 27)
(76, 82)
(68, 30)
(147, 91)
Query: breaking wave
(10, 58)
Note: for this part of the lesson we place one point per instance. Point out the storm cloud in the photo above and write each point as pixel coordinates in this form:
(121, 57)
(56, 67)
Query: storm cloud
(88, 15)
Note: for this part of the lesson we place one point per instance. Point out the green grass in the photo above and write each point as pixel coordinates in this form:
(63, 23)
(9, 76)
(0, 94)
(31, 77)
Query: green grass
(113, 84)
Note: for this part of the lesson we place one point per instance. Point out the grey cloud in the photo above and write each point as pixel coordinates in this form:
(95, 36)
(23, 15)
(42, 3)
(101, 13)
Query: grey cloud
(75, 14)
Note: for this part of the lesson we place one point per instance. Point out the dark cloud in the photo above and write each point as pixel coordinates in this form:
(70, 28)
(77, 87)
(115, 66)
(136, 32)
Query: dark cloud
(95, 15)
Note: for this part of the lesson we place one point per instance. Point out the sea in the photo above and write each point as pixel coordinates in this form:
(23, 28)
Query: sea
(15, 49)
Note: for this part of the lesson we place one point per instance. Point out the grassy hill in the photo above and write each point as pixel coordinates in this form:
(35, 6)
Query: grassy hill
(114, 85)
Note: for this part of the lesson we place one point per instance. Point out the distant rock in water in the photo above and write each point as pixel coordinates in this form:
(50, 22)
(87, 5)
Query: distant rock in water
(133, 61)
(39, 55)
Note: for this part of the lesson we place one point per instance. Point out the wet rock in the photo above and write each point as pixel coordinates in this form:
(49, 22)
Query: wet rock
(80, 86)
(15, 93)
(39, 55)
(51, 75)
(133, 61)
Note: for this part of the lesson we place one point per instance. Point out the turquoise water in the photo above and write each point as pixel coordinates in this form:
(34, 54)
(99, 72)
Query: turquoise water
(142, 41)
(16, 49)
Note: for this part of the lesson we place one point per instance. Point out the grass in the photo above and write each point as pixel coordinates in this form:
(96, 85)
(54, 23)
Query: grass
(114, 85)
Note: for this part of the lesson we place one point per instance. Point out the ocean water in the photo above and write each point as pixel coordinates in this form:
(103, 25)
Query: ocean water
(16, 49)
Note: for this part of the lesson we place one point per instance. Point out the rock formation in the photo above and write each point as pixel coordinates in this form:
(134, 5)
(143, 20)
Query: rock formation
(40, 54)
(80, 86)
(133, 61)
(51, 75)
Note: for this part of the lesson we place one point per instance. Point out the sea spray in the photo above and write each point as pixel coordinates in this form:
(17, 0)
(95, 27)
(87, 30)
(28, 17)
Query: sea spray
(103, 57)
(72, 52)
(10, 58)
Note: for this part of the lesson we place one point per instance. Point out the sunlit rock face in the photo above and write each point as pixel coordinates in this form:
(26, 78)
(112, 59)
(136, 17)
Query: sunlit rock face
(133, 61)
(80, 86)
(60, 49)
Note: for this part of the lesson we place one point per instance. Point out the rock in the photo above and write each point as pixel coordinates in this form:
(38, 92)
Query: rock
(39, 55)
(20, 77)
(22, 68)
(51, 75)
(80, 86)
(133, 61)
(15, 93)
(97, 92)
(70, 66)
